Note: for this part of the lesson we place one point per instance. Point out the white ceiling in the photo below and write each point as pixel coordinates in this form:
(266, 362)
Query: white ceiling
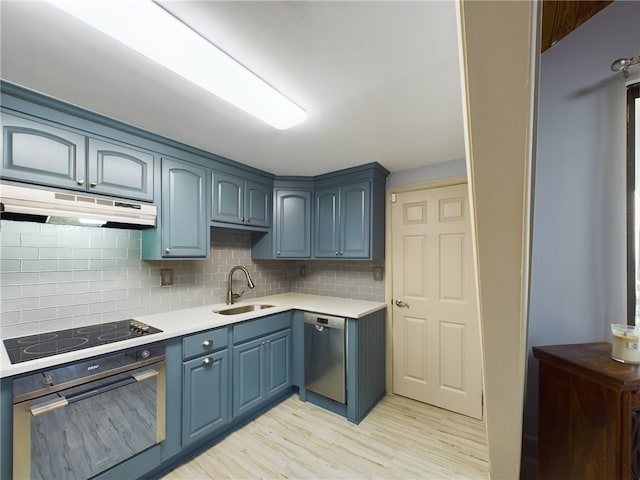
(379, 80)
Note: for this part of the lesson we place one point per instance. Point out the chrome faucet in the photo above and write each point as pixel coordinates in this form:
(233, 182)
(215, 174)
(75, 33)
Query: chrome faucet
(234, 296)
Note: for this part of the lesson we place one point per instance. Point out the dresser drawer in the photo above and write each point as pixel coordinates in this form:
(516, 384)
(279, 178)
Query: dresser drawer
(205, 342)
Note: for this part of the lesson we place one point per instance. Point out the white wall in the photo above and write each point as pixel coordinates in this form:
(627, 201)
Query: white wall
(578, 253)
(428, 173)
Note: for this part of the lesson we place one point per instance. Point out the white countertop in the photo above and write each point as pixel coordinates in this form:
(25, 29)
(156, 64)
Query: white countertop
(184, 322)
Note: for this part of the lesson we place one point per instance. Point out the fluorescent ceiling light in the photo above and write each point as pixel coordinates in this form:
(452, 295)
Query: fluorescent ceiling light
(150, 30)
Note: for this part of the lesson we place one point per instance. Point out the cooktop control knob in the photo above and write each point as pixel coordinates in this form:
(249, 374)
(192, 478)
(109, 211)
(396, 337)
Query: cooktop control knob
(145, 354)
(48, 378)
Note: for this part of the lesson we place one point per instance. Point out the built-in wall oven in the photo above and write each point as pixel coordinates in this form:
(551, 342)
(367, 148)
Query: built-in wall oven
(77, 420)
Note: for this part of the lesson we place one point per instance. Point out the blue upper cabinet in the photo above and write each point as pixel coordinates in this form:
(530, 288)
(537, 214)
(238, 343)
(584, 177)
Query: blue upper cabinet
(43, 154)
(237, 201)
(184, 230)
(120, 171)
(342, 218)
(350, 213)
(293, 224)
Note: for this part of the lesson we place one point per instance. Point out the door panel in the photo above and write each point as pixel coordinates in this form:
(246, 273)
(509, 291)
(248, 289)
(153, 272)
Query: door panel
(227, 198)
(183, 213)
(121, 171)
(436, 336)
(293, 224)
(354, 220)
(38, 153)
(206, 384)
(279, 363)
(257, 204)
(248, 366)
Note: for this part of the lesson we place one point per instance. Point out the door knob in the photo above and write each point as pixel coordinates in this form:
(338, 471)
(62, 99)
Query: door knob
(401, 304)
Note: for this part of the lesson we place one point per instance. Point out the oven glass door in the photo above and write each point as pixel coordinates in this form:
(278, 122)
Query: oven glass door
(82, 431)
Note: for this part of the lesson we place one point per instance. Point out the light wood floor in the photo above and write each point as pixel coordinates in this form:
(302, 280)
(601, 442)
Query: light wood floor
(399, 439)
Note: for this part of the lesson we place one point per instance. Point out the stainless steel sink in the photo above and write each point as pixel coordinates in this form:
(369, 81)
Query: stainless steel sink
(241, 309)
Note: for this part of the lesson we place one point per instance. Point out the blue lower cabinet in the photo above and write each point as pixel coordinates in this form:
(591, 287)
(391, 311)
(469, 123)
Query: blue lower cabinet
(205, 393)
(262, 370)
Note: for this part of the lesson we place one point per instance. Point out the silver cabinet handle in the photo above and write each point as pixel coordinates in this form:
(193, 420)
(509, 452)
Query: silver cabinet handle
(207, 344)
(207, 361)
(401, 304)
(93, 184)
(337, 254)
(80, 182)
(167, 250)
(278, 252)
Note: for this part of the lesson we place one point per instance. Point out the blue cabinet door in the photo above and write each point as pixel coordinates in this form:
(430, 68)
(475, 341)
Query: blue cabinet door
(120, 171)
(327, 242)
(42, 154)
(184, 226)
(205, 407)
(227, 199)
(239, 201)
(278, 363)
(257, 204)
(342, 221)
(293, 224)
(355, 230)
(248, 377)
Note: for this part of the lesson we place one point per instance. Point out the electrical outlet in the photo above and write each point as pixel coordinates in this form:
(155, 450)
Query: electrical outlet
(377, 274)
(166, 277)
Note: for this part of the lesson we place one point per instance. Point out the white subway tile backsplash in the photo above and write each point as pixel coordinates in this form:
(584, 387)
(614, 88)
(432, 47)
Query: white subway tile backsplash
(19, 252)
(10, 239)
(10, 265)
(38, 265)
(55, 300)
(46, 253)
(39, 241)
(96, 275)
(73, 287)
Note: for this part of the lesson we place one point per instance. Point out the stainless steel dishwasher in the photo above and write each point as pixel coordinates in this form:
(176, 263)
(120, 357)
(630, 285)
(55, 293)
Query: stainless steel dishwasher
(325, 356)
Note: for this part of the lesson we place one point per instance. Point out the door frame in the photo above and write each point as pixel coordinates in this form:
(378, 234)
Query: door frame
(388, 287)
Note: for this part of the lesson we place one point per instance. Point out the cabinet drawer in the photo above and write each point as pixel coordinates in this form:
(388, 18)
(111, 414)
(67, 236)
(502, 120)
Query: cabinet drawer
(260, 327)
(205, 342)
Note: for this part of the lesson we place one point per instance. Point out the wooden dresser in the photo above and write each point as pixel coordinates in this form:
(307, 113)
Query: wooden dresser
(589, 414)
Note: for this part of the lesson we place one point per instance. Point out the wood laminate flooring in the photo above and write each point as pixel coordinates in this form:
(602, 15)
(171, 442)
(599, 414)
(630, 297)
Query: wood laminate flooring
(399, 439)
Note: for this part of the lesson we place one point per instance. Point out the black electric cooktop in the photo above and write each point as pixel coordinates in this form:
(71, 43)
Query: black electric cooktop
(30, 347)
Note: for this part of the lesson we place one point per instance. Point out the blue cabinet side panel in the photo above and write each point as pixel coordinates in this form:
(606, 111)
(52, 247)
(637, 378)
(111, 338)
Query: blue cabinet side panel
(6, 431)
(297, 347)
(365, 364)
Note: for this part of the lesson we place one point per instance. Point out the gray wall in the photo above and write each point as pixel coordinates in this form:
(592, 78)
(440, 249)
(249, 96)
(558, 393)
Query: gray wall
(54, 277)
(578, 266)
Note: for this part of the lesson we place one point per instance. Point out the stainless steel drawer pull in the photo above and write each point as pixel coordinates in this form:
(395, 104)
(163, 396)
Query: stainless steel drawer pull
(207, 361)
(207, 344)
(49, 406)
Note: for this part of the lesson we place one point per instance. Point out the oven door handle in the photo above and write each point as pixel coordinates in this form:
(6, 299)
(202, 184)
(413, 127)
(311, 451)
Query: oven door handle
(92, 392)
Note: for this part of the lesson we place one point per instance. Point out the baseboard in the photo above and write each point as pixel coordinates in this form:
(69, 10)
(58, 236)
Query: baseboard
(529, 457)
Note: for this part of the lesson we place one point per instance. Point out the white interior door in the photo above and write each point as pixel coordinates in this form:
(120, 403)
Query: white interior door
(436, 331)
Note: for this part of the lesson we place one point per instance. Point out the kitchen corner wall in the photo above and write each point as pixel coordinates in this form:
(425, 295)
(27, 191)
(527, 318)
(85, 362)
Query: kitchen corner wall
(55, 277)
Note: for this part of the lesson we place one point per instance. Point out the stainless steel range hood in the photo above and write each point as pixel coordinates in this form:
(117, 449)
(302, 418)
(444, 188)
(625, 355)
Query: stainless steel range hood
(34, 204)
